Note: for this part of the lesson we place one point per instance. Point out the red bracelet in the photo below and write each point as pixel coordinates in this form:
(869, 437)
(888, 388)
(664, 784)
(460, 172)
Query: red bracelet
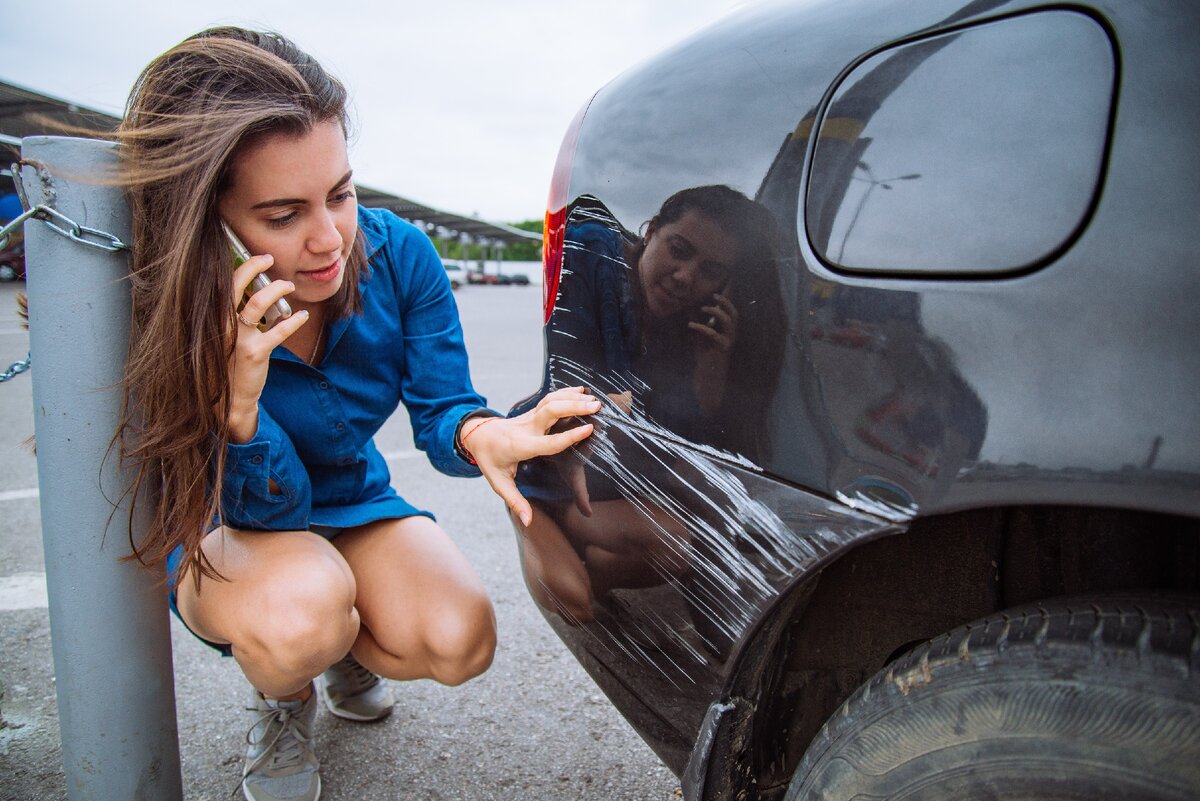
(463, 442)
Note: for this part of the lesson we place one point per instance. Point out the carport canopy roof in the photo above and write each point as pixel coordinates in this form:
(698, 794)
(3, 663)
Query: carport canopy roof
(25, 112)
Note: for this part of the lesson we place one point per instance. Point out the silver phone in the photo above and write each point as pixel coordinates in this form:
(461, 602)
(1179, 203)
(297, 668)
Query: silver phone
(279, 310)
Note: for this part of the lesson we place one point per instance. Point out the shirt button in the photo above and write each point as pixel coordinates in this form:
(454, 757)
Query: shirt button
(324, 385)
(256, 459)
(340, 427)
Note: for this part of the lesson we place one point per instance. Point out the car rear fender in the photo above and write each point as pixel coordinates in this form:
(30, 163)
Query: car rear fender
(836, 626)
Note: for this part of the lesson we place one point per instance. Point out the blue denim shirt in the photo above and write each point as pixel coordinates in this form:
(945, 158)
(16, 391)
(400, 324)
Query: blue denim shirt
(316, 423)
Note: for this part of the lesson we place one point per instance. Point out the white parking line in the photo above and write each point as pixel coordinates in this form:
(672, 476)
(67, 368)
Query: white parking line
(392, 456)
(23, 591)
(23, 494)
(28, 590)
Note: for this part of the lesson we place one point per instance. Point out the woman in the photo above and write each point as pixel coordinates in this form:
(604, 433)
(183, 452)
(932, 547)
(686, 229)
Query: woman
(286, 546)
(681, 328)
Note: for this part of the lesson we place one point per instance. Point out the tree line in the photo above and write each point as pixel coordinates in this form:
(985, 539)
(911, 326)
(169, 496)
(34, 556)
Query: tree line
(525, 250)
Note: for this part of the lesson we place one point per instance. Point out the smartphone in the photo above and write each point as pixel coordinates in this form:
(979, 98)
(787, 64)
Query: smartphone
(279, 310)
(712, 318)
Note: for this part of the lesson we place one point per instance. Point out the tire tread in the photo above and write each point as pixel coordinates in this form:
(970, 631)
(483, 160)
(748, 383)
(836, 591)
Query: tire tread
(1122, 649)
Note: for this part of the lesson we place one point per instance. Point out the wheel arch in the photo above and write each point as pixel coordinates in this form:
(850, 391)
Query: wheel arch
(831, 632)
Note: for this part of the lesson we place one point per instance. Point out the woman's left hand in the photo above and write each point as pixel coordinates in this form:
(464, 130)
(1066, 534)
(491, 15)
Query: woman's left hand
(498, 445)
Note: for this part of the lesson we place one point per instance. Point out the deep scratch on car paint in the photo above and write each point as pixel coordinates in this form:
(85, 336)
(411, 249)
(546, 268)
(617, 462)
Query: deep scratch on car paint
(739, 552)
(566, 372)
(897, 513)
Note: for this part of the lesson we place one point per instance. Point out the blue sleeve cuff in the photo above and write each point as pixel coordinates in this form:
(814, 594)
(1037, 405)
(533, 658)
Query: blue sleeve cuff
(247, 500)
(443, 449)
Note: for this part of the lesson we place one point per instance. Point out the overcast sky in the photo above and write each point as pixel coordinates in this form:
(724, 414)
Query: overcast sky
(459, 105)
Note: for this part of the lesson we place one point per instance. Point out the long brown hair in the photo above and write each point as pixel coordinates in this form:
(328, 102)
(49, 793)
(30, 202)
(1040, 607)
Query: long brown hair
(192, 110)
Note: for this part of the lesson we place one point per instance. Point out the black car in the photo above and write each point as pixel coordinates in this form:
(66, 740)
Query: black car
(895, 311)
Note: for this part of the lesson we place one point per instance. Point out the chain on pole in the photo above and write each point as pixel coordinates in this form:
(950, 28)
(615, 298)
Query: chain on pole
(74, 231)
(65, 226)
(15, 369)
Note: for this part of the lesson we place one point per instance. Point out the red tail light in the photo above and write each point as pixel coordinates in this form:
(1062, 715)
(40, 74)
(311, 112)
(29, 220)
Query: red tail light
(554, 229)
(552, 252)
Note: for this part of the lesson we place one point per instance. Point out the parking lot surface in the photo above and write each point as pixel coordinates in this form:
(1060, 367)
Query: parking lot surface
(534, 726)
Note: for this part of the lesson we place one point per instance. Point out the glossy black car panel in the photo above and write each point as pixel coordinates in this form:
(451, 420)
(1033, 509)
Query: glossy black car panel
(959, 329)
(964, 153)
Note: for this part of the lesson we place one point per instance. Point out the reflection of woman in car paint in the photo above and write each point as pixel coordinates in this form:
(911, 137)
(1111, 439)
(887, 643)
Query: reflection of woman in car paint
(683, 324)
(680, 329)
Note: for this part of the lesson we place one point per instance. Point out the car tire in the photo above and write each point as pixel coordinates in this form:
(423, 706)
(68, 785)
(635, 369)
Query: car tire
(1072, 699)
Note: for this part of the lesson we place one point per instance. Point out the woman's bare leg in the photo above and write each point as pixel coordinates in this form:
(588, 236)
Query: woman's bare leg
(286, 606)
(424, 611)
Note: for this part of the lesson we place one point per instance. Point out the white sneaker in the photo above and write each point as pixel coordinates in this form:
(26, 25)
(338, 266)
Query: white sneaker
(355, 693)
(280, 763)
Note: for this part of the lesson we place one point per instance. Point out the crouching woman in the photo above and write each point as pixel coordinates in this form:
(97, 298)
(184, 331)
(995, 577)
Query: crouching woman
(287, 547)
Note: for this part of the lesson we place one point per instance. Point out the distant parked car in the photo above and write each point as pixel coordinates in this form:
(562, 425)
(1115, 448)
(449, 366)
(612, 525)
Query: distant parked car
(895, 492)
(456, 274)
(480, 277)
(512, 279)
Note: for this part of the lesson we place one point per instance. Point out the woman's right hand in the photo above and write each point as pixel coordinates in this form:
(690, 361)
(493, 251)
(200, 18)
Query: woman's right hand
(500, 444)
(252, 352)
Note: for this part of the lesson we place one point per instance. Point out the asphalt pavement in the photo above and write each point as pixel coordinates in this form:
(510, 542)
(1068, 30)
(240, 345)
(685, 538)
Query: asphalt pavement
(534, 726)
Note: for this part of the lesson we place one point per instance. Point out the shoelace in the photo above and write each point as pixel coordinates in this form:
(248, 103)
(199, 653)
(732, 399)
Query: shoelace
(286, 748)
(357, 677)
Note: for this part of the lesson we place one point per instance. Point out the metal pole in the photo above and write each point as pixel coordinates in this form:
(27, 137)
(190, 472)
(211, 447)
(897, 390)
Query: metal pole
(108, 618)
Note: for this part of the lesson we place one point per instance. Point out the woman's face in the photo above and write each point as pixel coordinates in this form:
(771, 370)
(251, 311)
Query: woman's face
(684, 264)
(291, 196)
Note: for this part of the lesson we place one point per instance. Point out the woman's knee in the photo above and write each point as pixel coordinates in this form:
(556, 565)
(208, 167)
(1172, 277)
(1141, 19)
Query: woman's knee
(461, 639)
(303, 621)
